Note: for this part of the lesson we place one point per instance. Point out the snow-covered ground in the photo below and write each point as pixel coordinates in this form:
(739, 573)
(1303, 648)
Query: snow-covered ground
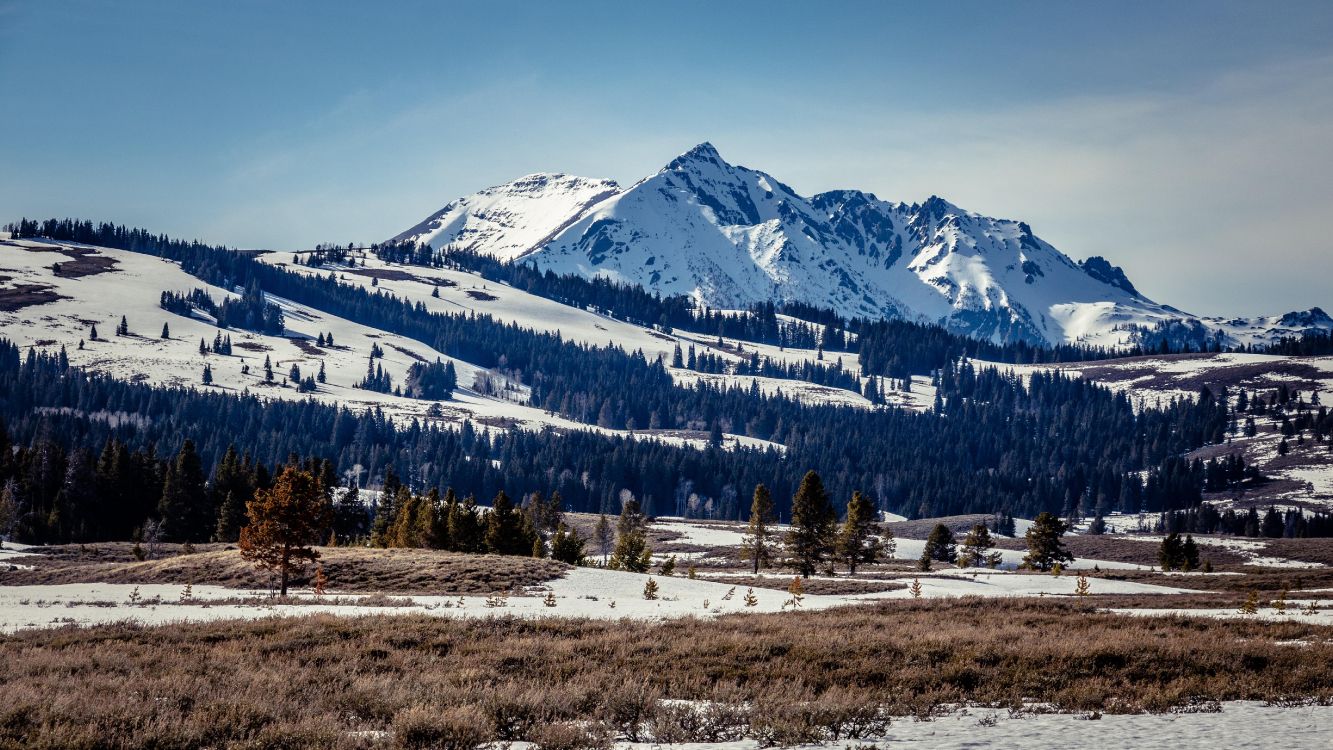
(1233, 724)
(583, 592)
(1248, 548)
(133, 288)
(1295, 612)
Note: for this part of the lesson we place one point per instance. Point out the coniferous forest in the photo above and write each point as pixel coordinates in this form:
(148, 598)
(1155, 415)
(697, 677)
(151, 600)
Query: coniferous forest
(992, 443)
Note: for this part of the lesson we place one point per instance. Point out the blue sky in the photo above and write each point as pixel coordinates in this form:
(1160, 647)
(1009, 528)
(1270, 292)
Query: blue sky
(1188, 142)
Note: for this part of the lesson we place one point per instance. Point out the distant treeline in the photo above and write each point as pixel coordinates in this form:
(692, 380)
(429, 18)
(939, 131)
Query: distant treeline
(992, 442)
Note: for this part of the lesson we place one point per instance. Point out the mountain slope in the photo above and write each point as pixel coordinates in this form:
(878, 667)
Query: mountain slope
(509, 220)
(732, 236)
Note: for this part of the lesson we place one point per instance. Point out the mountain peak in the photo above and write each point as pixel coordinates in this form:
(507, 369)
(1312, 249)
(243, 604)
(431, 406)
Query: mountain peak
(703, 153)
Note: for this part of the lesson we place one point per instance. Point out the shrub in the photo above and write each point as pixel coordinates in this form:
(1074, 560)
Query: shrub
(458, 728)
(566, 735)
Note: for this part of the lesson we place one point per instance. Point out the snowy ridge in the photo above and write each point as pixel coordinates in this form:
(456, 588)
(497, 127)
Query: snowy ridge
(731, 236)
(133, 285)
(509, 220)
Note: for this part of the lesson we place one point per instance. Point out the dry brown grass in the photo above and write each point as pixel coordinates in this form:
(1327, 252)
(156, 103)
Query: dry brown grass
(20, 296)
(351, 569)
(1309, 550)
(314, 682)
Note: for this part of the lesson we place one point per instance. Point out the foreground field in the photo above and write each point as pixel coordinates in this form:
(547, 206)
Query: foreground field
(419, 648)
(776, 679)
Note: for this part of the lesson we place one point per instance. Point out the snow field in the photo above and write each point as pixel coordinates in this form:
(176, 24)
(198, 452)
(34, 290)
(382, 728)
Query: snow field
(133, 289)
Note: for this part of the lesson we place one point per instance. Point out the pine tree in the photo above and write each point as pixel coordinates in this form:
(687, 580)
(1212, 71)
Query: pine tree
(1083, 588)
(631, 552)
(1251, 604)
(1098, 526)
(810, 540)
(567, 546)
(1190, 554)
(1171, 553)
(797, 592)
(231, 518)
(466, 533)
(650, 589)
(403, 527)
(940, 545)
(184, 508)
(604, 537)
(758, 546)
(208, 375)
(1045, 549)
(284, 524)
(858, 540)
(915, 589)
(976, 547)
(1280, 603)
(504, 528)
(349, 515)
(750, 599)
(166, 331)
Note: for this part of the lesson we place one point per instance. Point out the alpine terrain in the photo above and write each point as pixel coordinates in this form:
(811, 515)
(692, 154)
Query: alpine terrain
(731, 237)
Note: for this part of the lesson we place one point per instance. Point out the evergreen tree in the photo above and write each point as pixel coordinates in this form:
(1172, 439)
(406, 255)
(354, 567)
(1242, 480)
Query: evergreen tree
(504, 528)
(285, 522)
(604, 537)
(349, 515)
(858, 540)
(1273, 526)
(567, 546)
(187, 515)
(1190, 551)
(810, 540)
(407, 512)
(166, 331)
(631, 552)
(1045, 550)
(758, 546)
(386, 513)
(976, 549)
(1171, 553)
(466, 532)
(940, 545)
(231, 518)
(1098, 526)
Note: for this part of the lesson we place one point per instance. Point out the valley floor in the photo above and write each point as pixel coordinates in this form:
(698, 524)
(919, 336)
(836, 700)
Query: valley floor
(419, 648)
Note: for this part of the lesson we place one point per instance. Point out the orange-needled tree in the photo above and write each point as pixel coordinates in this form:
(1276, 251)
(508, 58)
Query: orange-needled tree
(285, 524)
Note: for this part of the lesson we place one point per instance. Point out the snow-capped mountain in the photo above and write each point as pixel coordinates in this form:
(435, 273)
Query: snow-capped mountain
(508, 220)
(732, 236)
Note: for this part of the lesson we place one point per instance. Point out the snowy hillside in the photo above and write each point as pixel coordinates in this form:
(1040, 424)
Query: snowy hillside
(509, 220)
(1300, 477)
(732, 236)
(46, 309)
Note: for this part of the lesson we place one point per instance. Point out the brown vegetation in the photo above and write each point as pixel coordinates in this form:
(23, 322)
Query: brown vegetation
(20, 296)
(783, 678)
(349, 569)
